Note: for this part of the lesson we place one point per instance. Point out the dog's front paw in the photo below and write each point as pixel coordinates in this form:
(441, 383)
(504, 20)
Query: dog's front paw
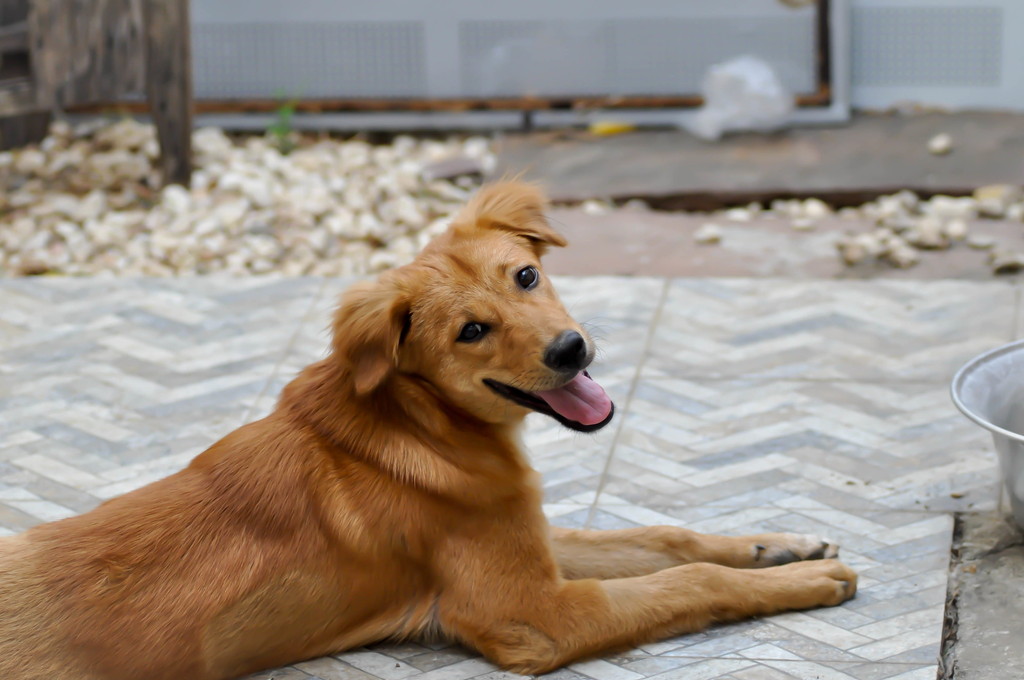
(771, 550)
(802, 585)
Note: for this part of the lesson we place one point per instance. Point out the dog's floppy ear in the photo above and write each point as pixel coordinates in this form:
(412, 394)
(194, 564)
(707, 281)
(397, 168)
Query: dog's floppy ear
(515, 207)
(369, 328)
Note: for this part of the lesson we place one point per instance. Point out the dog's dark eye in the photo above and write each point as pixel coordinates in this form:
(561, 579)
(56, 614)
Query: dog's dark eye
(527, 277)
(472, 332)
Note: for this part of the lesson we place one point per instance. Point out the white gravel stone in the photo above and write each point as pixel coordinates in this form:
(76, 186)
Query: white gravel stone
(88, 200)
(929, 233)
(940, 145)
(815, 209)
(981, 242)
(787, 208)
(856, 248)
(637, 204)
(902, 256)
(1006, 261)
(708, 234)
(995, 199)
(738, 214)
(1015, 212)
(595, 207)
(956, 230)
(951, 207)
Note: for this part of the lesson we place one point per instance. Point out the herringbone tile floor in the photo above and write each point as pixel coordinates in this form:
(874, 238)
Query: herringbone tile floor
(745, 405)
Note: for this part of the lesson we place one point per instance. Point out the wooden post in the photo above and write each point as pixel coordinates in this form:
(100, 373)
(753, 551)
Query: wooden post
(26, 128)
(29, 123)
(169, 84)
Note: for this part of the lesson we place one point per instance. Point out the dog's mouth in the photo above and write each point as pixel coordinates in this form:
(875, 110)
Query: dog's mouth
(580, 404)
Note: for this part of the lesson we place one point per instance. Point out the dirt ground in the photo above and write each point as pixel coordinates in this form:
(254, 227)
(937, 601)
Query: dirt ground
(653, 243)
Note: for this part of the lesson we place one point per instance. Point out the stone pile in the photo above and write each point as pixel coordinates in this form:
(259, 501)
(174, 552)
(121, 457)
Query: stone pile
(906, 225)
(902, 226)
(88, 200)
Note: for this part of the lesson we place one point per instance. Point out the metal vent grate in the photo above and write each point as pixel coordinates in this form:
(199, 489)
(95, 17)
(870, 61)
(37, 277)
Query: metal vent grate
(661, 56)
(515, 58)
(927, 46)
(670, 56)
(309, 60)
(415, 60)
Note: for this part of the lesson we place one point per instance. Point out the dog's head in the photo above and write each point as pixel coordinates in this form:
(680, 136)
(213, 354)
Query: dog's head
(475, 319)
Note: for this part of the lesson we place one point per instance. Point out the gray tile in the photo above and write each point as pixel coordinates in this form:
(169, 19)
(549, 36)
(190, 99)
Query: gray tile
(107, 385)
(882, 330)
(133, 374)
(785, 669)
(845, 445)
(882, 624)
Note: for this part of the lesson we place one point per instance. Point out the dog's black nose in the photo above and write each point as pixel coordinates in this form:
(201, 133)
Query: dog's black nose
(568, 352)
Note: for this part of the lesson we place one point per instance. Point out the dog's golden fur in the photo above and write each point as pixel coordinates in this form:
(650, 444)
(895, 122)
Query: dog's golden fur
(387, 495)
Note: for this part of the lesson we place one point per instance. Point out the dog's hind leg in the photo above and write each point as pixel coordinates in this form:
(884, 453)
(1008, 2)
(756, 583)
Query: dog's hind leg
(634, 552)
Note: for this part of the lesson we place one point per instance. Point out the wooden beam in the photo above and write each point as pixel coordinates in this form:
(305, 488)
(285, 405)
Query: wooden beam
(169, 84)
(201, 106)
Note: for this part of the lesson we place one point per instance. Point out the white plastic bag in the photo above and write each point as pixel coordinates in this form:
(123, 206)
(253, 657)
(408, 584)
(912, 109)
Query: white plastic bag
(743, 93)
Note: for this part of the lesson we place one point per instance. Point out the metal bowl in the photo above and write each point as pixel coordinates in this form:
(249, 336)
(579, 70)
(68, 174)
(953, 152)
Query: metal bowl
(989, 390)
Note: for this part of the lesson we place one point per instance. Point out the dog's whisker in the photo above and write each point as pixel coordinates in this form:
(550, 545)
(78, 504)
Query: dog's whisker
(555, 221)
(597, 333)
(596, 325)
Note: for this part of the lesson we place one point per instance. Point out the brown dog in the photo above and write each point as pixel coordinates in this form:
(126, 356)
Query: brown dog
(388, 496)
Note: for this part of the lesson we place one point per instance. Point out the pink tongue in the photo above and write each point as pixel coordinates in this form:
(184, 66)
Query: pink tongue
(582, 400)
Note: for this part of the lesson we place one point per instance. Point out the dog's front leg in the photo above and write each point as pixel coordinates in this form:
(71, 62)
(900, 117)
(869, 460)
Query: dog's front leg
(510, 603)
(633, 552)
